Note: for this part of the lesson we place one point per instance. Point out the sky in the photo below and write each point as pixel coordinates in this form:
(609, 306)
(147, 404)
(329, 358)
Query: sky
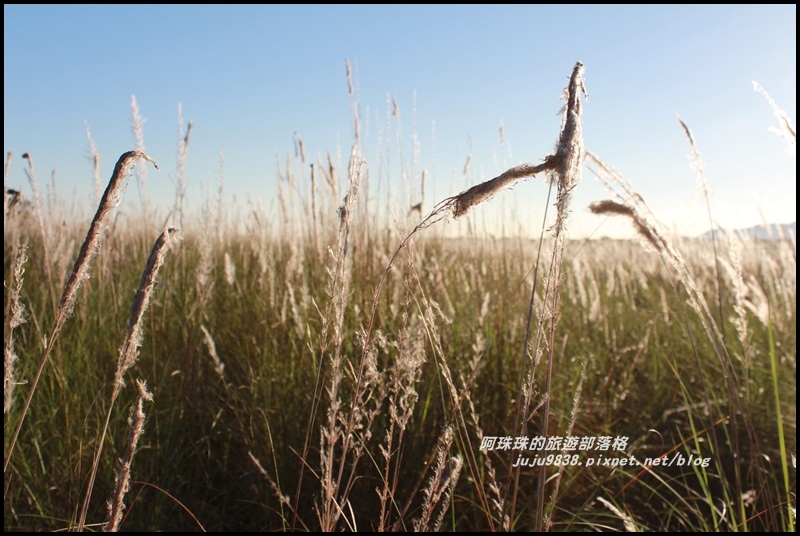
(477, 84)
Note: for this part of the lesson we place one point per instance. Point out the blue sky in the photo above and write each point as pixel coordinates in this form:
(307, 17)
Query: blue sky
(250, 77)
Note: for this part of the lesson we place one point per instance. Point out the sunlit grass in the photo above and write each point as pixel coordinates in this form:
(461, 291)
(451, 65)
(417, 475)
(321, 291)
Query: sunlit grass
(323, 372)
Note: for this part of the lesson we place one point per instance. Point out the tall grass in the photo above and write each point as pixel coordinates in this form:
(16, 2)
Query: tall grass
(316, 371)
(80, 272)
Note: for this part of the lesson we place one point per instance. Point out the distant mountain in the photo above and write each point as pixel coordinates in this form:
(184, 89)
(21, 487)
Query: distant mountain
(762, 232)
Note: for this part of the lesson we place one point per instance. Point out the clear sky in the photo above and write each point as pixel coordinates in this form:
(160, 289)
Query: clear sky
(250, 77)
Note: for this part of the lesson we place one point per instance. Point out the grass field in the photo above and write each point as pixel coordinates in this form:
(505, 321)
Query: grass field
(323, 372)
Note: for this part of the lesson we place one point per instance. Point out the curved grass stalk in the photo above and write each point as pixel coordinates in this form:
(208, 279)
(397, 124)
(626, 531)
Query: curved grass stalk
(80, 271)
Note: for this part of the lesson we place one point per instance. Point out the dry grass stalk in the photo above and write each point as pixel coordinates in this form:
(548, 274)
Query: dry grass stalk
(80, 271)
(705, 193)
(283, 500)
(314, 232)
(568, 163)
(697, 162)
(430, 312)
(94, 157)
(440, 486)
(183, 152)
(403, 397)
(463, 202)
(565, 162)
(219, 212)
(349, 77)
(608, 206)
(137, 128)
(14, 316)
(136, 420)
(7, 169)
(548, 525)
(129, 351)
(627, 520)
(569, 151)
(757, 301)
(353, 103)
(330, 177)
(735, 273)
(633, 206)
(492, 482)
(219, 366)
(738, 405)
(204, 283)
(299, 147)
(334, 441)
(787, 130)
(230, 269)
(14, 310)
(34, 182)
